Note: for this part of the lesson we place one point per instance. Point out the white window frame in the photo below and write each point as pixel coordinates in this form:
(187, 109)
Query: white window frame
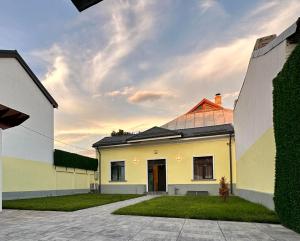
(204, 155)
(109, 177)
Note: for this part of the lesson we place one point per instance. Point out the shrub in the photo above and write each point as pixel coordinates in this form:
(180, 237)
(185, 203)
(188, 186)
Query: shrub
(68, 159)
(223, 190)
(286, 116)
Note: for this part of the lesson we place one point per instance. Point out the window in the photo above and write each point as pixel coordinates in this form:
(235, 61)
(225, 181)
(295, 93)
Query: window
(203, 168)
(118, 171)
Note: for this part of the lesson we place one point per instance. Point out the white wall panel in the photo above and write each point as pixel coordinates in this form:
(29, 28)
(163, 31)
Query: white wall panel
(19, 92)
(253, 114)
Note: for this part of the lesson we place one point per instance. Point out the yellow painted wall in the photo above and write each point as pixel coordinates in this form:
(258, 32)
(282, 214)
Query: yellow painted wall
(25, 175)
(178, 171)
(256, 168)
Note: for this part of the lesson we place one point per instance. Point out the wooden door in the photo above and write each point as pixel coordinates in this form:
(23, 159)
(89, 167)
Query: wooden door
(155, 177)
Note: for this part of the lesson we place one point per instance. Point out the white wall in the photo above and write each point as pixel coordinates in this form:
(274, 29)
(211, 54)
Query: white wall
(253, 113)
(19, 92)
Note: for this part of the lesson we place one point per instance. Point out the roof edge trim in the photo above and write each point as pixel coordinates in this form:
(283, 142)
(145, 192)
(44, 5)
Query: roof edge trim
(17, 56)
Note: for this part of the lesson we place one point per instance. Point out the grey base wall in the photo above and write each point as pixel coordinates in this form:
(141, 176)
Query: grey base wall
(123, 189)
(265, 199)
(182, 189)
(46, 193)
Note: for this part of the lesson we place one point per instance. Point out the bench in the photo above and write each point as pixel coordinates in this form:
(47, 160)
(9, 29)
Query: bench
(197, 193)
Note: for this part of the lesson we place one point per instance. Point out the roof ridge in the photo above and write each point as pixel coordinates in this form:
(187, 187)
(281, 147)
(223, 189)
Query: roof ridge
(203, 101)
(15, 54)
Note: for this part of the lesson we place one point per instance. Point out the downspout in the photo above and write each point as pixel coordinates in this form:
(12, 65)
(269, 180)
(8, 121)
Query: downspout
(230, 163)
(99, 169)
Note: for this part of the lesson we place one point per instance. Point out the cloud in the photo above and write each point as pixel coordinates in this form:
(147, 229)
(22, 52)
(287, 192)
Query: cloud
(231, 95)
(125, 63)
(123, 92)
(211, 5)
(146, 95)
(124, 37)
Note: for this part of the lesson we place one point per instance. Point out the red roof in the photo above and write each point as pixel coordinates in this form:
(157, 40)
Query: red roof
(205, 113)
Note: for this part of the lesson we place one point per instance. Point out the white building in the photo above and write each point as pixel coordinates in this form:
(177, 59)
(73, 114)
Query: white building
(27, 150)
(253, 117)
(8, 118)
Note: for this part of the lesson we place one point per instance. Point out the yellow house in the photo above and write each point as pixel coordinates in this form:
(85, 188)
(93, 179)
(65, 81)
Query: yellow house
(188, 154)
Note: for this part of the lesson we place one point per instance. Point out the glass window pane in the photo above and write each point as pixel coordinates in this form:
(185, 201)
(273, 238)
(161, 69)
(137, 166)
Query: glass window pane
(118, 171)
(203, 167)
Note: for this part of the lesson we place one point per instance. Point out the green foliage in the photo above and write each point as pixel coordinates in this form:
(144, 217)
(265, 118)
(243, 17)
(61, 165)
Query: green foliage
(66, 203)
(120, 132)
(67, 159)
(223, 190)
(286, 101)
(202, 207)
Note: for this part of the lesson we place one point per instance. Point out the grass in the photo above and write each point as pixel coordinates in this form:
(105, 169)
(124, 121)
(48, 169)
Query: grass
(211, 208)
(66, 203)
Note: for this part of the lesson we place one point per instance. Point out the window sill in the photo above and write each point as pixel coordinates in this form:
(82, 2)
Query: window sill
(118, 181)
(201, 180)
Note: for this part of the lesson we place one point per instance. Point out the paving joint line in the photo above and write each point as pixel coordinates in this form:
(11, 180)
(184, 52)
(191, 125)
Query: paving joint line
(272, 238)
(181, 230)
(141, 229)
(221, 231)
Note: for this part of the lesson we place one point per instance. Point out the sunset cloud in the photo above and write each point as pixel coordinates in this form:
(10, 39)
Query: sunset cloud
(123, 63)
(146, 95)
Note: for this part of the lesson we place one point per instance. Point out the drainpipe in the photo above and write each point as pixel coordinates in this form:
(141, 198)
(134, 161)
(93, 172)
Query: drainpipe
(99, 169)
(230, 163)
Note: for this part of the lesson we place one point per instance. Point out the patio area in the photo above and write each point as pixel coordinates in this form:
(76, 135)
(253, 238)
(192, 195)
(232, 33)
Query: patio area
(99, 224)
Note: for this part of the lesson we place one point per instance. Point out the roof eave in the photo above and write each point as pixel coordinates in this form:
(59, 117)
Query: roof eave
(17, 56)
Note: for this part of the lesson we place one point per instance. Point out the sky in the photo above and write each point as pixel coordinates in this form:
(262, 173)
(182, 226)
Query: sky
(135, 64)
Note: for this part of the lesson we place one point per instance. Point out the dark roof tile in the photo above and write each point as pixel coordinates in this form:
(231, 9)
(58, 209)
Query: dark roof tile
(161, 132)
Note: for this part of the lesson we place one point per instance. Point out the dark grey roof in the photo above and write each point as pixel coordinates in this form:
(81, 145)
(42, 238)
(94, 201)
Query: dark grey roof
(207, 131)
(112, 140)
(161, 132)
(17, 56)
(152, 133)
(84, 4)
(10, 117)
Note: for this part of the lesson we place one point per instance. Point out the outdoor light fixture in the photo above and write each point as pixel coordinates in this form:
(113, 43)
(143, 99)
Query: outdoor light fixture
(135, 161)
(178, 158)
(84, 4)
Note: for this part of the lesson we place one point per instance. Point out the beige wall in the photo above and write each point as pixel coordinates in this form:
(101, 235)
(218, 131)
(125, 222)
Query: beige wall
(21, 175)
(256, 168)
(179, 160)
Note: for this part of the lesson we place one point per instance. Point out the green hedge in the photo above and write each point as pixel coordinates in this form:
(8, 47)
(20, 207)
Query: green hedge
(67, 159)
(286, 101)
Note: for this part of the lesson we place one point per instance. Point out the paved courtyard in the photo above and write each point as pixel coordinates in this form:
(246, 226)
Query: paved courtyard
(97, 224)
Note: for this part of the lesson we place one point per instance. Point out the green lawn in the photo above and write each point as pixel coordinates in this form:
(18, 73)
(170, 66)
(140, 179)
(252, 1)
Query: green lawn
(210, 207)
(66, 203)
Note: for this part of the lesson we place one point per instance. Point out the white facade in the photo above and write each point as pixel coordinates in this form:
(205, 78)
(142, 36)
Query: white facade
(253, 118)
(253, 113)
(20, 92)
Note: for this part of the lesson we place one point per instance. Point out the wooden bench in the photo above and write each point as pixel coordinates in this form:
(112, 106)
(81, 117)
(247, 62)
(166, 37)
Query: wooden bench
(197, 193)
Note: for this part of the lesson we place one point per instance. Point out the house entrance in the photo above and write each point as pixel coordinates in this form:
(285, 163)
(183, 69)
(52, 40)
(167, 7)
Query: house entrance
(157, 175)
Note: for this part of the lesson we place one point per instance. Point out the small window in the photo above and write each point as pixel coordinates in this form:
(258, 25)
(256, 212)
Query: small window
(118, 171)
(203, 168)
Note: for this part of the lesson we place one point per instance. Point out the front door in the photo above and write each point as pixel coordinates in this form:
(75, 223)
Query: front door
(157, 175)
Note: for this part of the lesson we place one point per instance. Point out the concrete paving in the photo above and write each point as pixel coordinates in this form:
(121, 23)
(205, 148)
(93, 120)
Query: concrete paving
(97, 224)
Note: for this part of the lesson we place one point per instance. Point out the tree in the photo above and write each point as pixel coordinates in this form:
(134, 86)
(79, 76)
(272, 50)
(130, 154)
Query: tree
(120, 132)
(223, 190)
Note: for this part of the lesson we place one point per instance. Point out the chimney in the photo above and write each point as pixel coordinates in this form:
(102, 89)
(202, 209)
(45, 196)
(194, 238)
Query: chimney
(218, 99)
